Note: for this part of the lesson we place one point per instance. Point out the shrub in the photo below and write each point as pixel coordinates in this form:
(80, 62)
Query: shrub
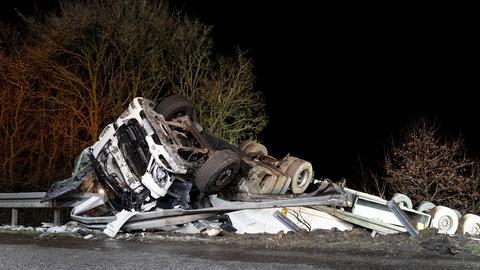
(425, 167)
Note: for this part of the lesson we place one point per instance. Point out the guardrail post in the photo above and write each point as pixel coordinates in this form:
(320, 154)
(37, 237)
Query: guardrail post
(14, 217)
(57, 216)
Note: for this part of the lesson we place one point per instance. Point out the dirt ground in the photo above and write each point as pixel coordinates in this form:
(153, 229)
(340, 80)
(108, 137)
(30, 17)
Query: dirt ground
(355, 242)
(358, 242)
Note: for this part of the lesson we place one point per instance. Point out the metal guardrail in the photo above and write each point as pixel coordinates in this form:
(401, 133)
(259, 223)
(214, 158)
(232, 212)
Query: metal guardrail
(158, 218)
(16, 201)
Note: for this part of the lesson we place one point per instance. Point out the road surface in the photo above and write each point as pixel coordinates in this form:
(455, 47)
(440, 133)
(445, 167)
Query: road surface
(29, 252)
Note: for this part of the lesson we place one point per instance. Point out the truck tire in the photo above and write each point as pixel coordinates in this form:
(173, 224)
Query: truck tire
(301, 174)
(470, 224)
(403, 200)
(424, 206)
(253, 147)
(279, 184)
(286, 185)
(174, 106)
(444, 219)
(217, 172)
(267, 184)
(284, 163)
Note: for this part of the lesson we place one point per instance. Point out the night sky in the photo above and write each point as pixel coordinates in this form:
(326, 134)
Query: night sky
(341, 80)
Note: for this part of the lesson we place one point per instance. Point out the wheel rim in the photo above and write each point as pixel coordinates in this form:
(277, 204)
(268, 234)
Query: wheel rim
(445, 223)
(302, 178)
(224, 177)
(474, 229)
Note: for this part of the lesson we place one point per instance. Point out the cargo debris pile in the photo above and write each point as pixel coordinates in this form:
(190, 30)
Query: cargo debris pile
(156, 168)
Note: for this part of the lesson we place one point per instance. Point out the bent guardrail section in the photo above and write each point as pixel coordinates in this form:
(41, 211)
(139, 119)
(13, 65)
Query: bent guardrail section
(16, 201)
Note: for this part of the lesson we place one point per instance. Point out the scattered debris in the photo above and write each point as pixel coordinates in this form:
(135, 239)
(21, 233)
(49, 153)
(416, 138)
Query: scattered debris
(442, 246)
(402, 217)
(120, 219)
(156, 168)
(213, 232)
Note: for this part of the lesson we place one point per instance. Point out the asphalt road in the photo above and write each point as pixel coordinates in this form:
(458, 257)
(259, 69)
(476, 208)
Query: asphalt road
(28, 252)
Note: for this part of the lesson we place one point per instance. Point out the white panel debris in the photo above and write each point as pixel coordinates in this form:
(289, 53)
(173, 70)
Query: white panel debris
(114, 226)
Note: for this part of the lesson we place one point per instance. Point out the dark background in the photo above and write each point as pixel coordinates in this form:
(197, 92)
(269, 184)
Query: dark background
(341, 80)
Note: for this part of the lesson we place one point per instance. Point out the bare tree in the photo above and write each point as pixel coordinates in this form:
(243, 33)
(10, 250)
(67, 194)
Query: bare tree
(75, 71)
(370, 181)
(425, 167)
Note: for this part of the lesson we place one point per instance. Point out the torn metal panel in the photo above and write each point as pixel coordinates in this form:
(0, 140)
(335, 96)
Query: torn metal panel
(263, 220)
(372, 224)
(291, 219)
(377, 209)
(402, 217)
(312, 219)
(257, 221)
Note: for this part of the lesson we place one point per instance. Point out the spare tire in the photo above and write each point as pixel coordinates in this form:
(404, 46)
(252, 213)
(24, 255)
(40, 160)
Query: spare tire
(217, 172)
(174, 106)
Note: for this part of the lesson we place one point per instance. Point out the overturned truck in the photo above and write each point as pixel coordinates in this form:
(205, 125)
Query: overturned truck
(155, 158)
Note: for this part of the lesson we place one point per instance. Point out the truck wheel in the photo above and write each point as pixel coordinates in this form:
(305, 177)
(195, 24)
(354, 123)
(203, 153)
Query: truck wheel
(444, 219)
(424, 206)
(280, 183)
(286, 185)
(253, 147)
(301, 174)
(403, 200)
(470, 224)
(174, 106)
(217, 172)
(284, 163)
(268, 184)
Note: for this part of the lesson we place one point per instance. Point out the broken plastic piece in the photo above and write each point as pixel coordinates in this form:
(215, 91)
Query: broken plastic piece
(114, 226)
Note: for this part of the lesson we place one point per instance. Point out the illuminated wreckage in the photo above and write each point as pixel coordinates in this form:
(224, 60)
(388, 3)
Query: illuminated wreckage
(155, 167)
